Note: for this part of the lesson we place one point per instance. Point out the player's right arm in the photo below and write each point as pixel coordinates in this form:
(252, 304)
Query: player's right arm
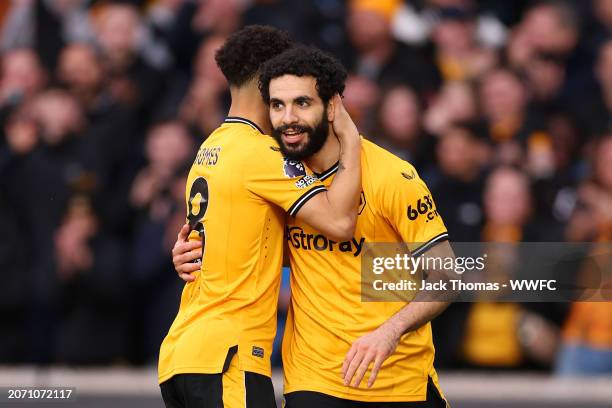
(334, 212)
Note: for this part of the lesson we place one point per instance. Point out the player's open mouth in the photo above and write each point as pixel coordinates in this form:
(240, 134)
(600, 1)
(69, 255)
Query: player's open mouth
(291, 136)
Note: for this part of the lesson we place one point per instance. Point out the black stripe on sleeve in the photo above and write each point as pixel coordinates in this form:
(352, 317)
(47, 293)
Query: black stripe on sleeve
(304, 198)
(430, 243)
(333, 169)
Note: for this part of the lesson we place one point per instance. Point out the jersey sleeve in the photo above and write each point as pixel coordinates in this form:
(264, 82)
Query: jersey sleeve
(281, 181)
(409, 207)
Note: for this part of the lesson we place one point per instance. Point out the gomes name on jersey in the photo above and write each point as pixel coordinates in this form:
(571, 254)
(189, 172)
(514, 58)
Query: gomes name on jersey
(318, 242)
(207, 156)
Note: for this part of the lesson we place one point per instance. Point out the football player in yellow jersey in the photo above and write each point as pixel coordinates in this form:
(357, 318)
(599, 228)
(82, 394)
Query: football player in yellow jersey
(333, 339)
(327, 318)
(239, 188)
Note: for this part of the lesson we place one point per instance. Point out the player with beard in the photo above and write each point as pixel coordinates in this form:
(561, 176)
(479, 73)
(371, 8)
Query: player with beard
(239, 189)
(296, 148)
(327, 319)
(332, 339)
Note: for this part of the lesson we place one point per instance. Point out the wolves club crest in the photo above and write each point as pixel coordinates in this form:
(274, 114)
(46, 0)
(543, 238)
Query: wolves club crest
(293, 168)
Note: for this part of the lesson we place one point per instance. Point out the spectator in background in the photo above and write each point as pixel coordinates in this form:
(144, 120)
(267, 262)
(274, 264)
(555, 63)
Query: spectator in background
(80, 70)
(38, 186)
(601, 30)
(221, 17)
(379, 57)
(510, 124)
(552, 28)
(112, 132)
(542, 30)
(593, 106)
(455, 103)
(161, 16)
(592, 218)
(82, 73)
(21, 132)
(458, 55)
(133, 81)
(545, 76)
(491, 338)
(206, 101)
(414, 22)
(45, 26)
(461, 156)
(503, 100)
(89, 263)
(318, 23)
(196, 21)
(168, 146)
(555, 167)
(158, 196)
(587, 333)
(361, 96)
(22, 77)
(400, 132)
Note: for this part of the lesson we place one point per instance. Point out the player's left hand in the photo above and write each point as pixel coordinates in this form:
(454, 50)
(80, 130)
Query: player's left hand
(373, 347)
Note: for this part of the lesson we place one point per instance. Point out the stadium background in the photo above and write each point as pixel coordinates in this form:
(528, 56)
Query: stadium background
(504, 107)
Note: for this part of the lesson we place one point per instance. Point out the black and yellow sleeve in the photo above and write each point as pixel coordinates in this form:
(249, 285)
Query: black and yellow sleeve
(281, 181)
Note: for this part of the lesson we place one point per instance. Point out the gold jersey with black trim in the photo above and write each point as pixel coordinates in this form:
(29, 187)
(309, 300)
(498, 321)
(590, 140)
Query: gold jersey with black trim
(326, 313)
(238, 191)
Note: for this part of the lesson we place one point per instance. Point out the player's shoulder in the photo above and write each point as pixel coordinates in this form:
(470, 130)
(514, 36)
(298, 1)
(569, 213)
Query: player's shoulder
(260, 153)
(245, 139)
(238, 133)
(264, 151)
(385, 168)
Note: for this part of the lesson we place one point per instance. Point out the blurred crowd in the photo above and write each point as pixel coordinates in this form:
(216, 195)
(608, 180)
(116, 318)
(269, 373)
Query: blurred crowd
(505, 109)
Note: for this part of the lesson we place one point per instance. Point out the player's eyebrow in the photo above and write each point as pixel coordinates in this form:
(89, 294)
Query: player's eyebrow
(303, 98)
(275, 100)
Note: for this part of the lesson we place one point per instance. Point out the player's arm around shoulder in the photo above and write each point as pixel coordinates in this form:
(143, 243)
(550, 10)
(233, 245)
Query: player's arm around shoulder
(186, 255)
(334, 212)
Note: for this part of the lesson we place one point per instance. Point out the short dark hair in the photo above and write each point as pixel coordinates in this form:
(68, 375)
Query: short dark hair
(245, 51)
(305, 61)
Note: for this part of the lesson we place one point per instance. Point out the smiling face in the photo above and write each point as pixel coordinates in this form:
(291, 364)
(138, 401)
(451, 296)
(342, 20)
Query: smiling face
(300, 119)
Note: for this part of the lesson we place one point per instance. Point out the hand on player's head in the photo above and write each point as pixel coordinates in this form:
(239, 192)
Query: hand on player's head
(342, 123)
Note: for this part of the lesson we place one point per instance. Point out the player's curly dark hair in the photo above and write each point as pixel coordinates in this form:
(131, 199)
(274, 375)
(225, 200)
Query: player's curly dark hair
(245, 51)
(305, 61)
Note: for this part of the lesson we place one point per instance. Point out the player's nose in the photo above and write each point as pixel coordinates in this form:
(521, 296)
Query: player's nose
(289, 116)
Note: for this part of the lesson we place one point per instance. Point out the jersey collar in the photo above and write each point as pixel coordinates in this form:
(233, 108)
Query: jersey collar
(238, 119)
(332, 170)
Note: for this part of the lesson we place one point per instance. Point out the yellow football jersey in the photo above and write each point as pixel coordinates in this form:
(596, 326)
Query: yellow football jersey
(238, 191)
(327, 315)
